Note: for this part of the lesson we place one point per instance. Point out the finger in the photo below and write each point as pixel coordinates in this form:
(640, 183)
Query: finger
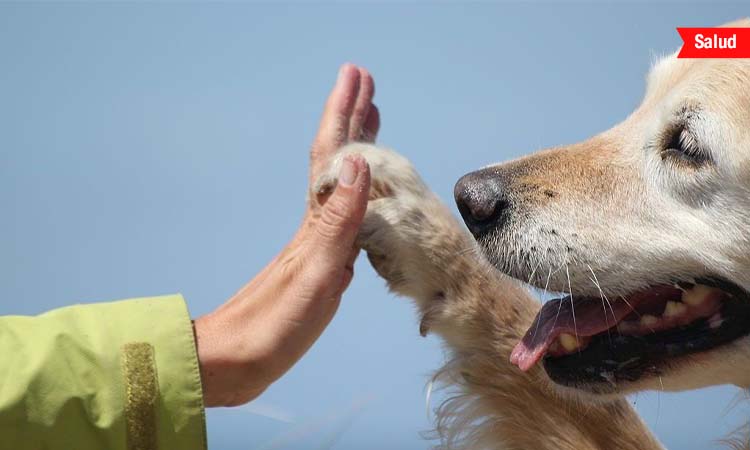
(362, 105)
(372, 125)
(334, 124)
(341, 216)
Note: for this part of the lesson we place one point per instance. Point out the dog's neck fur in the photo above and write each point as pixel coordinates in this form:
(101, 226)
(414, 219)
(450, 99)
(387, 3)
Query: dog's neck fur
(483, 315)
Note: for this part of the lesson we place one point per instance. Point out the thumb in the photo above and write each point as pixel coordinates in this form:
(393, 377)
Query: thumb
(343, 212)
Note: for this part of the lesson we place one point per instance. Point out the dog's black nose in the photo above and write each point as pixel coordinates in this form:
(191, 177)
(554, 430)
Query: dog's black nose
(482, 201)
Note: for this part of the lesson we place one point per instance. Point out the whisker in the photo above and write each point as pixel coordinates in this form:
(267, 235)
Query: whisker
(595, 280)
(634, 310)
(546, 294)
(631, 306)
(559, 305)
(572, 306)
(536, 327)
(533, 272)
(658, 401)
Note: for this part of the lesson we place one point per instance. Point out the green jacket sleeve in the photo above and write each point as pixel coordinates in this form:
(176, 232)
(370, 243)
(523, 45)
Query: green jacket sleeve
(121, 375)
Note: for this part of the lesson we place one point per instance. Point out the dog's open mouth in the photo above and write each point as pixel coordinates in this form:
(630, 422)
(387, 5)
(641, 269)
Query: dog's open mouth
(606, 340)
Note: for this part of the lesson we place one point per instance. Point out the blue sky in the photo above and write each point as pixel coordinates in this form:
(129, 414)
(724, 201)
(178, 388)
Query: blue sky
(158, 148)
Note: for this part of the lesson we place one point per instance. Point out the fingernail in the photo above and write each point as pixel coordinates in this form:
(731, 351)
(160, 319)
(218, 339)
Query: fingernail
(348, 172)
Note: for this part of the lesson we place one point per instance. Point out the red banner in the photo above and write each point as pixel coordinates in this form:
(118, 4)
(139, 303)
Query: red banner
(714, 42)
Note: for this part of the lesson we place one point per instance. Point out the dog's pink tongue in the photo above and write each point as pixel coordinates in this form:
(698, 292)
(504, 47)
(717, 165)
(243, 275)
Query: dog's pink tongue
(556, 317)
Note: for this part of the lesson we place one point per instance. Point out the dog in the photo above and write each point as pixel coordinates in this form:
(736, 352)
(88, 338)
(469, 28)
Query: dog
(646, 227)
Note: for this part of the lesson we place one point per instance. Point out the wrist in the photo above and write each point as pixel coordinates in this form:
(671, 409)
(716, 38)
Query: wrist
(227, 378)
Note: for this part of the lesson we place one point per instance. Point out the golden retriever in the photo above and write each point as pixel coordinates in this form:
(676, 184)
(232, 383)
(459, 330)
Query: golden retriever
(646, 227)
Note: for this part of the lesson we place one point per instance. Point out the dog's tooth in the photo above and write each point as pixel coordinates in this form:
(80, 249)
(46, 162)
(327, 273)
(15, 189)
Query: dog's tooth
(674, 309)
(626, 327)
(697, 295)
(648, 320)
(569, 342)
(715, 321)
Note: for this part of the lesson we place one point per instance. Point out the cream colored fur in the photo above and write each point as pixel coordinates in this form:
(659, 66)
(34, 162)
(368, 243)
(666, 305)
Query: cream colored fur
(620, 212)
(423, 252)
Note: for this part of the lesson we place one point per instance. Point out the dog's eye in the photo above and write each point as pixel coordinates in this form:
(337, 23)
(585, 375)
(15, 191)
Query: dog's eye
(681, 147)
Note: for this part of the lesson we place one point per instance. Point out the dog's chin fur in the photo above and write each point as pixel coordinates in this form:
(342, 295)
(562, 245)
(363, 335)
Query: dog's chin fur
(611, 206)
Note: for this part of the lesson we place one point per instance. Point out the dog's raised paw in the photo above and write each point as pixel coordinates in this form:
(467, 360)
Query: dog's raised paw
(406, 229)
(396, 195)
(390, 173)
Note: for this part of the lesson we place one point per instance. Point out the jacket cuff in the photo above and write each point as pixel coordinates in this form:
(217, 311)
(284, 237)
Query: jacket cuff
(160, 373)
(160, 346)
(118, 375)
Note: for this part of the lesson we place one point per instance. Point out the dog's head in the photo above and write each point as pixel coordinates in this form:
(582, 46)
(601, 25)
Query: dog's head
(646, 225)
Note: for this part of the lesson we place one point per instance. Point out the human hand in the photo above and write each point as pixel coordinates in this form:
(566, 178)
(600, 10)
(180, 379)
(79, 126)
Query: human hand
(258, 334)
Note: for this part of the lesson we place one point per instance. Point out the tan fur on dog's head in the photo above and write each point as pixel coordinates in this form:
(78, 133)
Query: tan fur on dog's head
(629, 211)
